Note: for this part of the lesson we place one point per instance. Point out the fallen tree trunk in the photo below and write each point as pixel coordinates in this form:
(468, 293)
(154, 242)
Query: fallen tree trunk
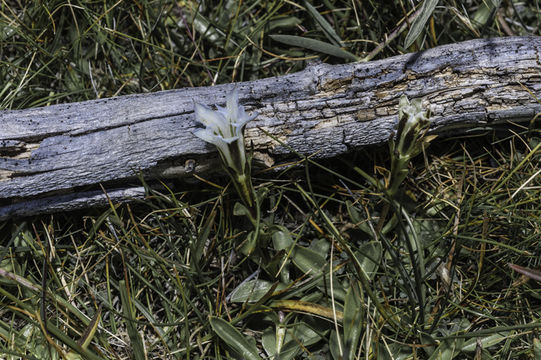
(55, 158)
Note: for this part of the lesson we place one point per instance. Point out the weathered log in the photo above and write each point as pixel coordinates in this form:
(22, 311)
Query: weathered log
(54, 158)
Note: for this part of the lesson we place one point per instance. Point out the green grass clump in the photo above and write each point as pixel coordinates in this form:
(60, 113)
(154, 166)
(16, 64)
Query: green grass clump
(386, 255)
(170, 276)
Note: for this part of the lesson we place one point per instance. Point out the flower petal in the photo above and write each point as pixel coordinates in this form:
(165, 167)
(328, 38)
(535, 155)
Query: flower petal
(209, 117)
(221, 144)
(241, 122)
(232, 105)
(209, 136)
(206, 135)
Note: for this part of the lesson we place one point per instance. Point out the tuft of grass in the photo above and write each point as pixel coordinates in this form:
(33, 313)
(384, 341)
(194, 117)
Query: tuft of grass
(64, 51)
(345, 268)
(169, 271)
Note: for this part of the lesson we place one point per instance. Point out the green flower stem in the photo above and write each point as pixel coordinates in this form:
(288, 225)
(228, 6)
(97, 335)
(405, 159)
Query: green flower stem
(245, 189)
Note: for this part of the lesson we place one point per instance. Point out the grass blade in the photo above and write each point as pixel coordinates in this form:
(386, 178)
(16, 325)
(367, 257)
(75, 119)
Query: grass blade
(128, 310)
(531, 273)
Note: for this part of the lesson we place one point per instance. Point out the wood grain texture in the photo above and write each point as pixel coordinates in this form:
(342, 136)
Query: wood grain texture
(54, 158)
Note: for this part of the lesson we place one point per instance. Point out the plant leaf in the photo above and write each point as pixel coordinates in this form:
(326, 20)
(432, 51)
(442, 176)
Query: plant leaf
(296, 334)
(281, 239)
(335, 345)
(369, 256)
(536, 348)
(427, 8)
(447, 350)
(268, 340)
(303, 333)
(250, 243)
(128, 310)
(289, 350)
(308, 307)
(531, 273)
(325, 26)
(315, 45)
(232, 337)
(87, 336)
(253, 290)
(284, 23)
(240, 210)
(485, 12)
(308, 261)
(352, 321)
(487, 341)
(199, 244)
(356, 218)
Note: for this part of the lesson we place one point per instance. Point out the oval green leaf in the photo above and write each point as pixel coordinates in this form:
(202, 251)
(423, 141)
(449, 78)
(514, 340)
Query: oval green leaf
(369, 256)
(352, 322)
(281, 239)
(232, 337)
(252, 290)
(308, 261)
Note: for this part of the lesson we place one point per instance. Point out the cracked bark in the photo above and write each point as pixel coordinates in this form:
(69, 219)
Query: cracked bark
(54, 158)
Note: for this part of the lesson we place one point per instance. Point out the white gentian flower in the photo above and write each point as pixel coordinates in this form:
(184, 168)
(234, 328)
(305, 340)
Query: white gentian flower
(413, 123)
(413, 119)
(224, 128)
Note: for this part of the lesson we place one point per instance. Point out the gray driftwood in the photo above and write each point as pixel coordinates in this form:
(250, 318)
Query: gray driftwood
(54, 158)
